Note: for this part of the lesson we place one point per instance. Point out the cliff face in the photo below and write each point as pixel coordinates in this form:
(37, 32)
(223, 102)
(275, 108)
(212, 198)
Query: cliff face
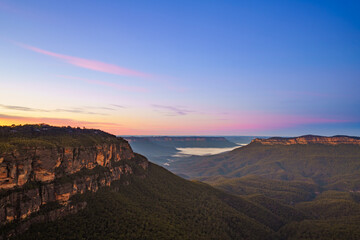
(309, 139)
(43, 164)
(32, 177)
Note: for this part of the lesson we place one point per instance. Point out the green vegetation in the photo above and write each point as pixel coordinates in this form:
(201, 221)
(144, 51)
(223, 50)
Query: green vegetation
(288, 192)
(314, 189)
(331, 204)
(347, 229)
(162, 206)
(329, 166)
(46, 208)
(261, 192)
(286, 212)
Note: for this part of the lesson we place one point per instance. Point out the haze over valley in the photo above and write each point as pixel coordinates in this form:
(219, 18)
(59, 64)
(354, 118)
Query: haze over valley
(166, 149)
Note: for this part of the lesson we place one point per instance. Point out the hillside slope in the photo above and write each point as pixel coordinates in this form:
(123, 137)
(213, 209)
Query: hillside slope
(333, 163)
(67, 183)
(163, 206)
(311, 179)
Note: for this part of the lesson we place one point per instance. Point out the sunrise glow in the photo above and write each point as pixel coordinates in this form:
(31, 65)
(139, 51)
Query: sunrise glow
(288, 77)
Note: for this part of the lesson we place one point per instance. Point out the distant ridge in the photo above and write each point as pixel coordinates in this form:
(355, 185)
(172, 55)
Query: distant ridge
(188, 141)
(309, 139)
(159, 149)
(330, 162)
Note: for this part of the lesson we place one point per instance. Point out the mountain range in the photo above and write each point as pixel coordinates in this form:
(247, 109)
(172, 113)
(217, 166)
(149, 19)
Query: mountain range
(72, 183)
(318, 176)
(330, 162)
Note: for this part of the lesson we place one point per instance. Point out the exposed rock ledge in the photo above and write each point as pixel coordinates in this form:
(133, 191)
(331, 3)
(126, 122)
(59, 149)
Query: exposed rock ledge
(309, 139)
(44, 164)
(46, 172)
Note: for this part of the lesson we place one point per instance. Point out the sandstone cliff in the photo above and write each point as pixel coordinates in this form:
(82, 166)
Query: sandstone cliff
(42, 165)
(309, 139)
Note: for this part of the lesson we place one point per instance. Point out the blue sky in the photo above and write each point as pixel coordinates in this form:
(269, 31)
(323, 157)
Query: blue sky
(183, 67)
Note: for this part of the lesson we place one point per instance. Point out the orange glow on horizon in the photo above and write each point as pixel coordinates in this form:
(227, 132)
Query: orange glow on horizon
(112, 128)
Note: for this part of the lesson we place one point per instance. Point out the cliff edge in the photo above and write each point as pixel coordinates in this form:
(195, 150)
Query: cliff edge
(42, 167)
(309, 139)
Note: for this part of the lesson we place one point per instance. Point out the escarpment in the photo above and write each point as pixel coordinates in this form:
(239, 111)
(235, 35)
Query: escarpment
(42, 167)
(44, 164)
(309, 139)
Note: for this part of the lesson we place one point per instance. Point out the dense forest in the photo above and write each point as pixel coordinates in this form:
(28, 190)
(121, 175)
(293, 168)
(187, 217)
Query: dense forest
(165, 206)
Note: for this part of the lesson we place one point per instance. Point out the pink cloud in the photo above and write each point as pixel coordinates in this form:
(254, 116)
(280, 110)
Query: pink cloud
(108, 84)
(107, 68)
(90, 64)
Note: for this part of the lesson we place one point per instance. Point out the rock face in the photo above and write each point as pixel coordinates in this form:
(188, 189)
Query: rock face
(309, 139)
(41, 164)
(35, 175)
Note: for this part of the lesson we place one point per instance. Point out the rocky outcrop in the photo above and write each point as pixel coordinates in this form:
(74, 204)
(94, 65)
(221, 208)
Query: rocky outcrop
(18, 205)
(309, 139)
(43, 164)
(32, 177)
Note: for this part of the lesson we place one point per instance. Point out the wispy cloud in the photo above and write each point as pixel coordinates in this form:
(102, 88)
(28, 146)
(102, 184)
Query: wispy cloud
(22, 108)
(101, 108)
(55, 121)
(77, 110)
(114, 107)
(90, 64)
(111, 69)
(107, 84)
(29, 109)
(118, 106)
(172, 110)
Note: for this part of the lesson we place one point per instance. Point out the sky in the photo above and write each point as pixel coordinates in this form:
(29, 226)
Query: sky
(269, 68)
